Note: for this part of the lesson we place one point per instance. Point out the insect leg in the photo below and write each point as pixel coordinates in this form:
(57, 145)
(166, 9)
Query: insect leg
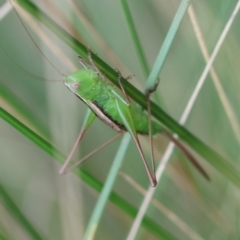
(94, 65)
(126, 116)
(121, 86)
(94, 152)
(188, 155)
(85, 64)
(148, 92)
(90, 117)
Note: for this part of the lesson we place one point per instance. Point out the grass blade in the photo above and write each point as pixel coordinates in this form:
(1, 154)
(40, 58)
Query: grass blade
(137, 44)
(109, 183)
(18, 215)
(158, 65)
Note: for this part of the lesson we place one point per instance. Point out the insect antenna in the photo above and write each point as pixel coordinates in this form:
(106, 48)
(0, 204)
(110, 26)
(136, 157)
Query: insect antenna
(35, 44)
(94, 65)
(28, 72)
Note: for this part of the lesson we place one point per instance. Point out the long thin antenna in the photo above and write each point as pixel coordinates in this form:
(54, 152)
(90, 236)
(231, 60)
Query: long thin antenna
(30, 36)
(28, 72)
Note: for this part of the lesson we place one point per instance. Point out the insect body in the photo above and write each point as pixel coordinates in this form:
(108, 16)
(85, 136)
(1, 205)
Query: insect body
(113, 107)
(103, 97)
(109, 104)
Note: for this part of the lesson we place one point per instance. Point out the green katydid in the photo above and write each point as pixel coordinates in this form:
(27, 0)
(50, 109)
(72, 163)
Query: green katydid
(114, 108)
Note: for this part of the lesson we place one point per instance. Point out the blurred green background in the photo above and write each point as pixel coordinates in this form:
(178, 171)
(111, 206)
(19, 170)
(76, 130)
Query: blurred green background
(59, 207)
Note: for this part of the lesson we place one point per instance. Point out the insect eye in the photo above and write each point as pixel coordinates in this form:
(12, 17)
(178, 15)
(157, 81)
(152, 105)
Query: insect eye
(76, 86)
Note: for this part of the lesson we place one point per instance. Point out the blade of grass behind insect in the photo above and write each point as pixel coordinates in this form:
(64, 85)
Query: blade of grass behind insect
(18, 215)
(200, 147)
(3, 235)
(108, 185)
(215, 78)
(86, 177)
(173, 217)
(158, 65)
(138, 47)
(19, 107)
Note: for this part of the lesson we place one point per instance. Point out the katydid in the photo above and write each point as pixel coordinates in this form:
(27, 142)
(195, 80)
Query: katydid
(111, 105)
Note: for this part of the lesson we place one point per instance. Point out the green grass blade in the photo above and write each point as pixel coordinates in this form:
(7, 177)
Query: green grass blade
(86, 177)
(42, 143)
(137, 44)
(109, 183)
(158, 65)
(200, 147)
(141, 56)
(9, 97)
(18, 215)
(3, 235)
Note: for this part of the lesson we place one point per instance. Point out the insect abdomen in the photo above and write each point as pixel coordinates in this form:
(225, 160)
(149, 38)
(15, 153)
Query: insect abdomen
(140, 120)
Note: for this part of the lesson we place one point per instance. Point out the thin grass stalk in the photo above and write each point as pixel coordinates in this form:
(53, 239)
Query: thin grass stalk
(221, 92)
(16, 103)
(159, 62)
(108, 185)
(136, 42)
(174, 218)
(18, 215)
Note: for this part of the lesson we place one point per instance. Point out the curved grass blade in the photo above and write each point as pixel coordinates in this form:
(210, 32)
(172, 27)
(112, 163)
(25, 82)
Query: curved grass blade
(18, 215)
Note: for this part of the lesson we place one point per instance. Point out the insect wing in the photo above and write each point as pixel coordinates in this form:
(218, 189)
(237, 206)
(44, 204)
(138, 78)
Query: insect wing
(126, 117)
